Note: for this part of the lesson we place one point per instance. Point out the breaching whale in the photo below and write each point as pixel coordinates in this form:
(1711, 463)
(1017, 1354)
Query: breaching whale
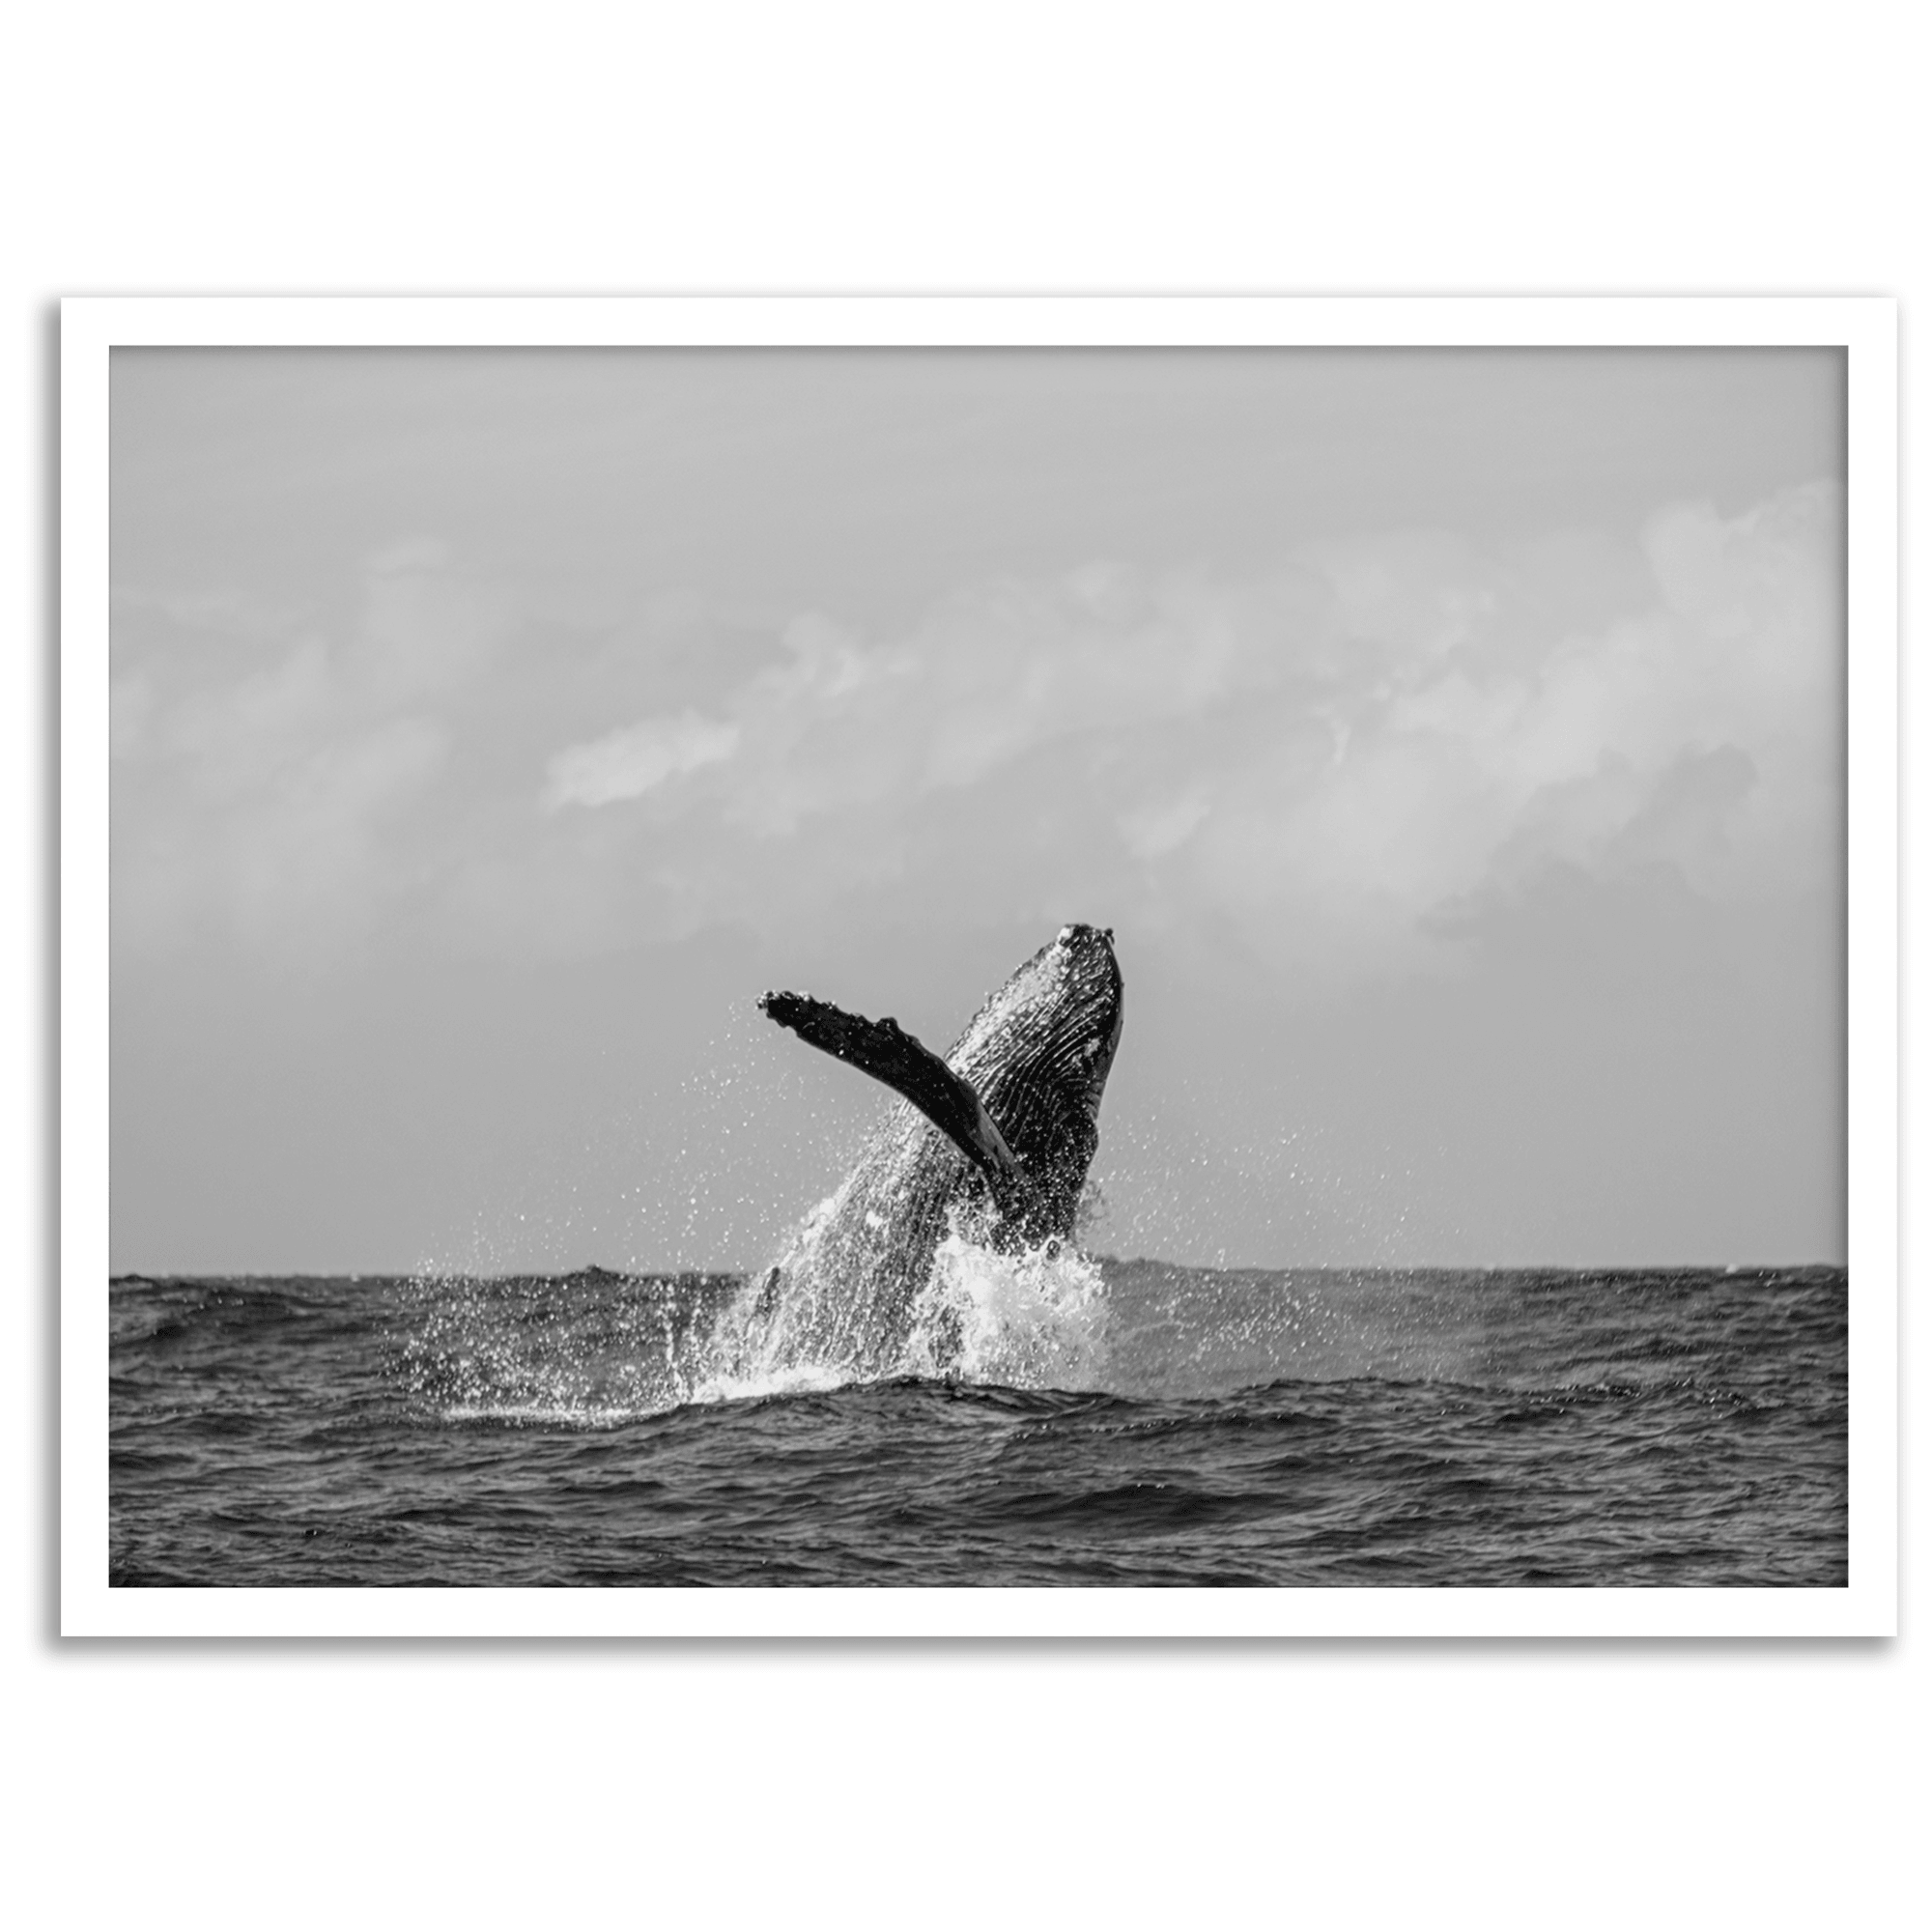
(994, 1140)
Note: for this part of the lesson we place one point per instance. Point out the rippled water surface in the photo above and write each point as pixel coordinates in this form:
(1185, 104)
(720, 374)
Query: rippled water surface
(1083, 1423)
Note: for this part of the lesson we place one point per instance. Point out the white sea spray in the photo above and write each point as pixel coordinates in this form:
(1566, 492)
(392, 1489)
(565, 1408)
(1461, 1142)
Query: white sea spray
(1035, 1319)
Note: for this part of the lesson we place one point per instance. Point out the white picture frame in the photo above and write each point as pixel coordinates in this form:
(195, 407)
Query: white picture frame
(1866, 329)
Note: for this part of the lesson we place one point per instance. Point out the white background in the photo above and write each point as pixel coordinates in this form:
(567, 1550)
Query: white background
(1681, 147)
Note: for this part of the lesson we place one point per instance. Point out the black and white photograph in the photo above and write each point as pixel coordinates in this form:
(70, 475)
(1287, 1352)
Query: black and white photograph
(964, 966)
(1123, 967)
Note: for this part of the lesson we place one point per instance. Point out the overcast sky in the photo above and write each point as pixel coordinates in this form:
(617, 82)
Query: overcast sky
(1454, 741)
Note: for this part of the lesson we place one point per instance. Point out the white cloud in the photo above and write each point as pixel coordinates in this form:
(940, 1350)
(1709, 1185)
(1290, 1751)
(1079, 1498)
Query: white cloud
(626, 764)
(425, 631)
(234, 737)
(1152, 831)
(1328, 754)
(323, 844)
(272, 788)
(1318, 758)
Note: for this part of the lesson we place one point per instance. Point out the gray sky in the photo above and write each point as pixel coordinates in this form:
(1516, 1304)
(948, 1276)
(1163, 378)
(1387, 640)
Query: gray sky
(1454, 741)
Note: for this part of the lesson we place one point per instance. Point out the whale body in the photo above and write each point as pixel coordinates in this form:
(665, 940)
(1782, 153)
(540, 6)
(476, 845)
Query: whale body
(992, 1142)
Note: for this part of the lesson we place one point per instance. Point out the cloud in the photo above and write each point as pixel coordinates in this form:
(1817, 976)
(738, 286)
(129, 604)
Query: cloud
(424, 631)
(1700, 733)
(1321, 762)
(1152, 831)
(629, 763)
(272, 786)
(1328, 755)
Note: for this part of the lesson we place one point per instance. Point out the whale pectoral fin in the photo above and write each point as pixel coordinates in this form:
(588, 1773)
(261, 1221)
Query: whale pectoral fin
(889, 1053)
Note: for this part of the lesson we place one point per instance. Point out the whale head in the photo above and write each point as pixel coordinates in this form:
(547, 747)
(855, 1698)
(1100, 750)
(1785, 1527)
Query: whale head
(1038, 1052)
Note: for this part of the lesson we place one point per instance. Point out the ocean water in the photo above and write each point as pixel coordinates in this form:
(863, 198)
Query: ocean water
(1053, 1420)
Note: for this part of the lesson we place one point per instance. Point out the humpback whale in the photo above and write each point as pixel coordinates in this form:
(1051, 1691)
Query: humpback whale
(994, 1141)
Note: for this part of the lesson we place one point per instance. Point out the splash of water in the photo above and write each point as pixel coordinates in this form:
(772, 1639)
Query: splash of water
(1032, 1319)
(1037, 1319)
(599, 1350)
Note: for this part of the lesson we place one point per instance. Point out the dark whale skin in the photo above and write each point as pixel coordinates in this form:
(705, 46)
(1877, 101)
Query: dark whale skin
(1037, 1054)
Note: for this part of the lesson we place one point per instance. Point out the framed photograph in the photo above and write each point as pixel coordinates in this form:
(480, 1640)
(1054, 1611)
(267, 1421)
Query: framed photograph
(978, 966)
